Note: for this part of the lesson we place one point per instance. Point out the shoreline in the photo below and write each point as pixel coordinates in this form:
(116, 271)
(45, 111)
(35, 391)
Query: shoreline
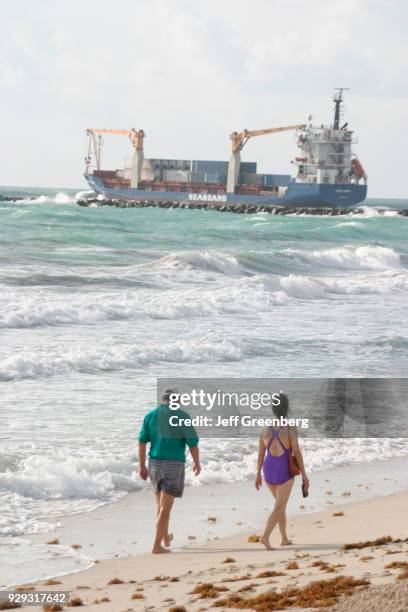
(233, 562)
(125, 527)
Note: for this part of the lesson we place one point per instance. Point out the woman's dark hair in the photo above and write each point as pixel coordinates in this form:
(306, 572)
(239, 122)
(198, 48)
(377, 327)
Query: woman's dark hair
(281, 410)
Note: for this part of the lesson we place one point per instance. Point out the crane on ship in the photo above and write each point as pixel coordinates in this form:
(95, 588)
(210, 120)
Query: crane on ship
(95, 142)
(239, 140)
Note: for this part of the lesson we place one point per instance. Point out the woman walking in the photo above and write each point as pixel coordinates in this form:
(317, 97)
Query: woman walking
(275, 446)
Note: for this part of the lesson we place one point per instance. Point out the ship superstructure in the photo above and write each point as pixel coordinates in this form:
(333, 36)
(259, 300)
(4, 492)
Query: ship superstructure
(327, 172)
(326, 153)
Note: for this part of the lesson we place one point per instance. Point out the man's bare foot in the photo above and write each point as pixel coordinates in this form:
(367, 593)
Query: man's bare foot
(286, 542)
(160, 550)
(266, 543)
(168, 539)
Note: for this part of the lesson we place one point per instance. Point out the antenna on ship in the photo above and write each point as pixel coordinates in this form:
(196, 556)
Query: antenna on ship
(338, 101)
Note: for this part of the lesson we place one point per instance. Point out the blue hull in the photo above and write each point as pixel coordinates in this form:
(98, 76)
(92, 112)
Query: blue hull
(320, 195)
(298, 194)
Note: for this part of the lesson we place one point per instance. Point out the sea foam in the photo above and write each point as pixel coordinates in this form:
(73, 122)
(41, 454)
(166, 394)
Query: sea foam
(242, 295)
(215, 261)
(213, 347)
(365, 257)
(81, 483)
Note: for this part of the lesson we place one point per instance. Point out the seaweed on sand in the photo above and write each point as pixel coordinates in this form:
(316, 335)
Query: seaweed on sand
(368, 543)
(207, 590)
(270, 574)
(316, 594)
(116, 581)
(237, 578)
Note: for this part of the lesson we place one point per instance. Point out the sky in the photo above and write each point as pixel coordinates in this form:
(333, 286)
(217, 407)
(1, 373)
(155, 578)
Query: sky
(189, 73)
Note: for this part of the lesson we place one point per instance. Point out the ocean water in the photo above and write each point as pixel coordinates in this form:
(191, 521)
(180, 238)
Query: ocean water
(95, 303)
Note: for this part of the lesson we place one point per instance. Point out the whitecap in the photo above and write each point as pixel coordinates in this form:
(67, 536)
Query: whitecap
(351, 257)
(213, 347)
(215, 261)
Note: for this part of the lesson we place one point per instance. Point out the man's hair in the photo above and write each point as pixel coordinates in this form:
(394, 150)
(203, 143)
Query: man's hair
(169, 393)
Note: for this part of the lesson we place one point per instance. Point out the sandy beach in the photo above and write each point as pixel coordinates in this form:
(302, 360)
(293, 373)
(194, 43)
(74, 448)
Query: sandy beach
(230, 573)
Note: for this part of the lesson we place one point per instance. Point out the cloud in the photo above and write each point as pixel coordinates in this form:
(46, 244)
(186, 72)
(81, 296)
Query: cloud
(190, 72)
(10, 75)
(22, 36)
(183, 49)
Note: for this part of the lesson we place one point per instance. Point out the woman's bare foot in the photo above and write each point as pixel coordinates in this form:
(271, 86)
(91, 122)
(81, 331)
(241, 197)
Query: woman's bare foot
(286, 542)
(168, 539)
(266, 543)
(160, 550)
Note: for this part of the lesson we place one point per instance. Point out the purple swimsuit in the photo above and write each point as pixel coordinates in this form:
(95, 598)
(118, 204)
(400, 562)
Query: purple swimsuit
(276, 469)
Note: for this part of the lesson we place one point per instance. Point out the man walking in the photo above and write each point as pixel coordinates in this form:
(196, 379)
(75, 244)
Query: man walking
(167, 458)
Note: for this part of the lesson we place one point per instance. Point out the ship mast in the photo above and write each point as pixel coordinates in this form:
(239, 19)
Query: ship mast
(338, 101)
(94, 151)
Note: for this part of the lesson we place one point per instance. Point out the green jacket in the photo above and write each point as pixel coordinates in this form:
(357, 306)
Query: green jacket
(167, 441)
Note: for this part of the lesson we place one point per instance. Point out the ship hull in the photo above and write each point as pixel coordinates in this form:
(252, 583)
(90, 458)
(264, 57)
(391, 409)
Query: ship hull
(321, 195)
(297, 195)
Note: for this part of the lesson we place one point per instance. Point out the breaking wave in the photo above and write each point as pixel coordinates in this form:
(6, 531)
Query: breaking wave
(259, 293)
(59, 198)
(303, 287)
(347, 257)
(211, 348)
(351, 258)
(82, 483)
(213, 261)
(51, 310)
(41, 477)
(73, 484)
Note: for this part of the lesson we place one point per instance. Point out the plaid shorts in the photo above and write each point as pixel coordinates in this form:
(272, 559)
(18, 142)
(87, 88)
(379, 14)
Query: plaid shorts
(167, 476)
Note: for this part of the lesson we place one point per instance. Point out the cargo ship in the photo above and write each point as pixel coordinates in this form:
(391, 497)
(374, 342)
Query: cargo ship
(326, 171)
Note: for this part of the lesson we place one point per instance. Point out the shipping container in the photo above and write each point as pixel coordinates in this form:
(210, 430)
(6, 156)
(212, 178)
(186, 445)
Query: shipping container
(211, 167)
(272, 180)
(205, 171)
(249, 178)
(197, 177)
(248, 167)
(176, 176)
(213, 178)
